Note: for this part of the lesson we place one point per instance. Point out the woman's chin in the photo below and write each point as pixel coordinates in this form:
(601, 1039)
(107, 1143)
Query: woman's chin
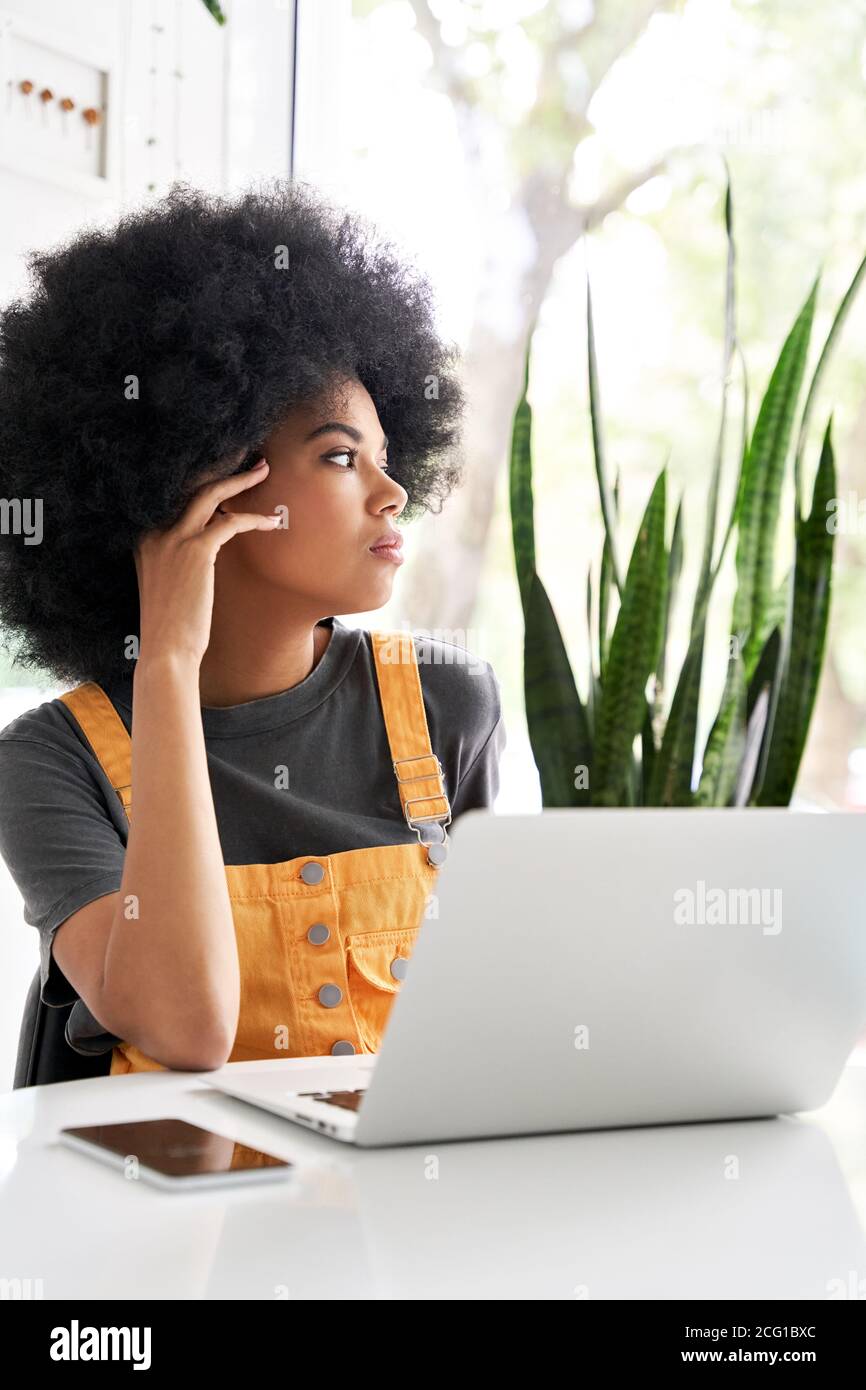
(384, 583)
(362, 597)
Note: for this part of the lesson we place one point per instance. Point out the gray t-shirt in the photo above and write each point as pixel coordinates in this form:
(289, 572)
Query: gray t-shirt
(63, 830)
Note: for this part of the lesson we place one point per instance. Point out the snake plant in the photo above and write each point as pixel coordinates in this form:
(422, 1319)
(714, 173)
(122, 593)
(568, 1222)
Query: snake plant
(214, 8)
(626, 743)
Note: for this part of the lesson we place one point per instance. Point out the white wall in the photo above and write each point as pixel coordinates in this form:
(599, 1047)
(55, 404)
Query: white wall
(223, 123)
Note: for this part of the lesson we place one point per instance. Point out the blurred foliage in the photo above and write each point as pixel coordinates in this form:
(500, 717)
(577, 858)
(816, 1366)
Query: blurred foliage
(585, 752)
(794, 75)
(213, 7)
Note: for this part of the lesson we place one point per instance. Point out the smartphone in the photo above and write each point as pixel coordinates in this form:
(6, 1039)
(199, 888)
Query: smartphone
(175, 1155)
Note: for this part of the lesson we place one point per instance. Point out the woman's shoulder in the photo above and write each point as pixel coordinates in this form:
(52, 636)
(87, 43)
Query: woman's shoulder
(459, 685)
(451, 653)
(45, 731)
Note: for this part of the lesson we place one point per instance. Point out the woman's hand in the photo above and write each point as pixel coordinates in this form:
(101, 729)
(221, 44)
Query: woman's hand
(175, 568)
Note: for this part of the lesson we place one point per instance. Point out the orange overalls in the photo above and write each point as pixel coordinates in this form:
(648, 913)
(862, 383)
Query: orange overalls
(322, 939)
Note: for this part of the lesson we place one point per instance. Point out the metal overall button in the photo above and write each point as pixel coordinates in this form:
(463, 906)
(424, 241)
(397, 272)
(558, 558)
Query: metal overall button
(330, 996)
(343, 1048)
(318, 934)
(375, 965)
(312, 872)
(437, 849)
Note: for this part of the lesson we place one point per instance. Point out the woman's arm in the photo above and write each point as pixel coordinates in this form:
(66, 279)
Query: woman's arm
(171, 974)
(158, 964)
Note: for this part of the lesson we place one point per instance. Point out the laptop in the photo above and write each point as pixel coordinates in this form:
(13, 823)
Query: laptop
(599, 968)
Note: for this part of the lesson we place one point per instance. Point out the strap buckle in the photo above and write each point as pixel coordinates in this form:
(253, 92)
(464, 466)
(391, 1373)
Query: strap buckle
(415, 822)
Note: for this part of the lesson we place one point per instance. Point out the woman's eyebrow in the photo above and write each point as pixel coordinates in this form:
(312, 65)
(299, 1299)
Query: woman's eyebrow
(333, 426)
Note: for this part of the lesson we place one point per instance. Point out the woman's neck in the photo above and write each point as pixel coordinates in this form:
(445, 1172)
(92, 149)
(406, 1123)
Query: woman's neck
(225, 678)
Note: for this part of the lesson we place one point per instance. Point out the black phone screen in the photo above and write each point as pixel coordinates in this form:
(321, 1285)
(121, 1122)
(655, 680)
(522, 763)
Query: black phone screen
(176, 1148)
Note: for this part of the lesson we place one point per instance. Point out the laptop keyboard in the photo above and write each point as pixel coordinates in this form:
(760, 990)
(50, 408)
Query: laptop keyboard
(347, 1100)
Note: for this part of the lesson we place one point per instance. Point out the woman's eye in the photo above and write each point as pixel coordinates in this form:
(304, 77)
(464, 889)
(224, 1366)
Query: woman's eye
(351, 455)
(342, 453)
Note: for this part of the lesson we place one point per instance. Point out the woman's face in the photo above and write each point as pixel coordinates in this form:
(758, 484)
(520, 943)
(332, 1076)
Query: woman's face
(327, 471)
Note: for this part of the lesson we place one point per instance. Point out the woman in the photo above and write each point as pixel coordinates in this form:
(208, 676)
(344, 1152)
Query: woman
(225, 407)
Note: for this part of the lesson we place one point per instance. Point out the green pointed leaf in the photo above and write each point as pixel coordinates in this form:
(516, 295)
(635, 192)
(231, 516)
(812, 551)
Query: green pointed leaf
(762, 484)
(727, 356)
(763, 690)
(649, 753)
(764, 673)
(604, 492)
(813, 566)
(756, 728)
(593, 688)
(589, 614)
(555, 716)
(835, 329)
(604, 592)
(634, 652)
(520, 487)
(777, 608)
(672, 778)
(603, 608)
(706, 584)
(770, 667)
(726, 742)
(675, 569)
(213, 7)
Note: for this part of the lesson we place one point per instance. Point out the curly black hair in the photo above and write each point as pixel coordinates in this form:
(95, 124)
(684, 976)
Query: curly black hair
(144, 357)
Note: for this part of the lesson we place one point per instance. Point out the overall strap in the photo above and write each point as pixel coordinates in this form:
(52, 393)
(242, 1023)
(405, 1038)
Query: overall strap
(106, 734)
(420, 782)
(419, 774)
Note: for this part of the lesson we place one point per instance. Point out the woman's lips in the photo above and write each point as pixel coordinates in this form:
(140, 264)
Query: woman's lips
(389, 552)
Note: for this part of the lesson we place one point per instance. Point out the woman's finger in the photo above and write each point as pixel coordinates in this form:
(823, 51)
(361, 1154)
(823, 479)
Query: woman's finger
(224, 525)
(202, 506)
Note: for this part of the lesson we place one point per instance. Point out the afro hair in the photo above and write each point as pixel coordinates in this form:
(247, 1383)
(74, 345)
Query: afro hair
(225, 313)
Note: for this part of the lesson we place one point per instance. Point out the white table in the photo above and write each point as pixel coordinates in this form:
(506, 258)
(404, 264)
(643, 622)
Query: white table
(641, 1213)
